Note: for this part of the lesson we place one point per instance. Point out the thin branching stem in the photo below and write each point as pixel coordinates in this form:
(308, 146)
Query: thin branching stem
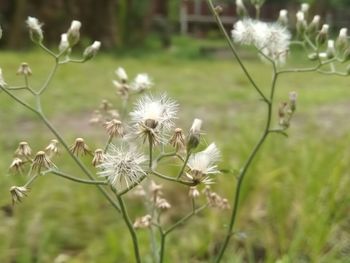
(168, 178)
(76, 179)
(188, 154)
(233, 49)
(130, 227)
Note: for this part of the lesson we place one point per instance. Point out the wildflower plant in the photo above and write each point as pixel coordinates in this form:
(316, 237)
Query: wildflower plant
(138, 142)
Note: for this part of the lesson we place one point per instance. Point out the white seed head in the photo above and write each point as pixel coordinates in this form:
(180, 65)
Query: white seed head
(343, 33)
(300, 16)
(324, 29)
(36, 33)
(122, 166)
(121, 74)
(64, 45)
(196, 126)
(272, 39)
(316, 20)
(283, 17)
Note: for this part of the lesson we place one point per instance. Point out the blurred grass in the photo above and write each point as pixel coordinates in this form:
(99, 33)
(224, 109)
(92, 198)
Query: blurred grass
(295, 201)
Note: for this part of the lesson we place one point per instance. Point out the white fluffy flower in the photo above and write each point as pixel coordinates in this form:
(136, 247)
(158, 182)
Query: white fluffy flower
(153, 116)
(142, 82)
(272, 39)
(203, 163)
(35, 30)
(122, 166)
(64, 45)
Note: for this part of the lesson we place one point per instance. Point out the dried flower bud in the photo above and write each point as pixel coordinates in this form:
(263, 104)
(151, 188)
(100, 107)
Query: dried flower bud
(52, 148)
(219, 9)
(64, 45)
(143, 222)
(2, 81)
(240, 8)
(155, 189)
(162, 203)
(16, 165)
(73, 33)
(178, 139)
(193, 192)
(114, 128)
(17, 193)
(139, 191)
(23, 150)
(194, 136)
(283, 17)
(80, 147)
(24, 69)
(322, 35)
(122, 88)
(35, 31)
(98, 157)
(217, 201)
(41, 160)
(121, 74)
(92, 50)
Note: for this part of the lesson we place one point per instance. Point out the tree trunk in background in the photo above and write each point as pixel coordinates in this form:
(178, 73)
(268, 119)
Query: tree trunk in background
(16, 25)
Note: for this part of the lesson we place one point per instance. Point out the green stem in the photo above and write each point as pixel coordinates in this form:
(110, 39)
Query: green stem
(184, 165)
(75, 179)
(110, 139)
(168, 178)
(49, 78)
(150, 141)
(233, 49)
(130, 227)
(31, 180)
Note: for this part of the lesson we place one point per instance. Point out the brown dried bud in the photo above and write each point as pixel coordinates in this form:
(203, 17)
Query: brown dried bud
(114, 128)
(162, 203)
(52, 148)
(41, 160)
(23, 150)
(16, 165)
(98, 157)
(193, 192)
(178, 139)
(24, 69)
(17, 193)
(79, 147)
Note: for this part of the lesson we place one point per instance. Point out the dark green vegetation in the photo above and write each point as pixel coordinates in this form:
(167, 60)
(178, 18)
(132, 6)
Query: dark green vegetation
(295, 204)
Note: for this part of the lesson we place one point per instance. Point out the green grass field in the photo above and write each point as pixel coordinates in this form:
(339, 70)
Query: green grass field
(295, 200)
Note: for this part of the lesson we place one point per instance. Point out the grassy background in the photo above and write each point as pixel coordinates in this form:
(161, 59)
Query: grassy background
(295, 200)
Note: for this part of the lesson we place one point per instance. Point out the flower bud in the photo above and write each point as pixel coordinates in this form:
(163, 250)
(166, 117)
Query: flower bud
(283, 17)
(342, 41)
(301, 23)
(2, 81)
(322, 35)
(121, 74)
(23, 150)
(314, 25)
(98, 157)
(293, 100)
(73, 34)
(35, 31)
(52, 148)
(143, 222)
(305, 8)
(16, 165)
(219, 10)
(92, 50)
(240, 8)
(41, 160)
(178, 139)
(114, 128)
(79, 147)
(24, 70)
(330, 49)
(194, 136)
(141, 83)
(64, 45)
(193, 192)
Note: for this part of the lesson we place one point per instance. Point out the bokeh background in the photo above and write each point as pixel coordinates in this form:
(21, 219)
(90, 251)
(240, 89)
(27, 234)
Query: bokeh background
(295, 205)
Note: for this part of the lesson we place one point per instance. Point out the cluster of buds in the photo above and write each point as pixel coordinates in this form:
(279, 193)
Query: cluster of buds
(104, 113)
(157, 196)
(215, 200)
(286, 110)
(141, 83)
(143, 222)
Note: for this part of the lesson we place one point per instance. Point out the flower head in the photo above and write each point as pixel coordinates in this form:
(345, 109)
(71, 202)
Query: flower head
(143, 222)
(79, 147)
(272, 39)
(142, 82)
(24, 69)
(64, 45)
(98, 157)
(122, 166)
(16, 165)
(152, 116)
(36, 33)
(52, 148)
(121, 74)
(73, 33)
(41, 160)
(23, 150)
(203, 163)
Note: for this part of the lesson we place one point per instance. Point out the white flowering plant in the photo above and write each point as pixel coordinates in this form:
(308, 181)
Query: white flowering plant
(138, 142)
